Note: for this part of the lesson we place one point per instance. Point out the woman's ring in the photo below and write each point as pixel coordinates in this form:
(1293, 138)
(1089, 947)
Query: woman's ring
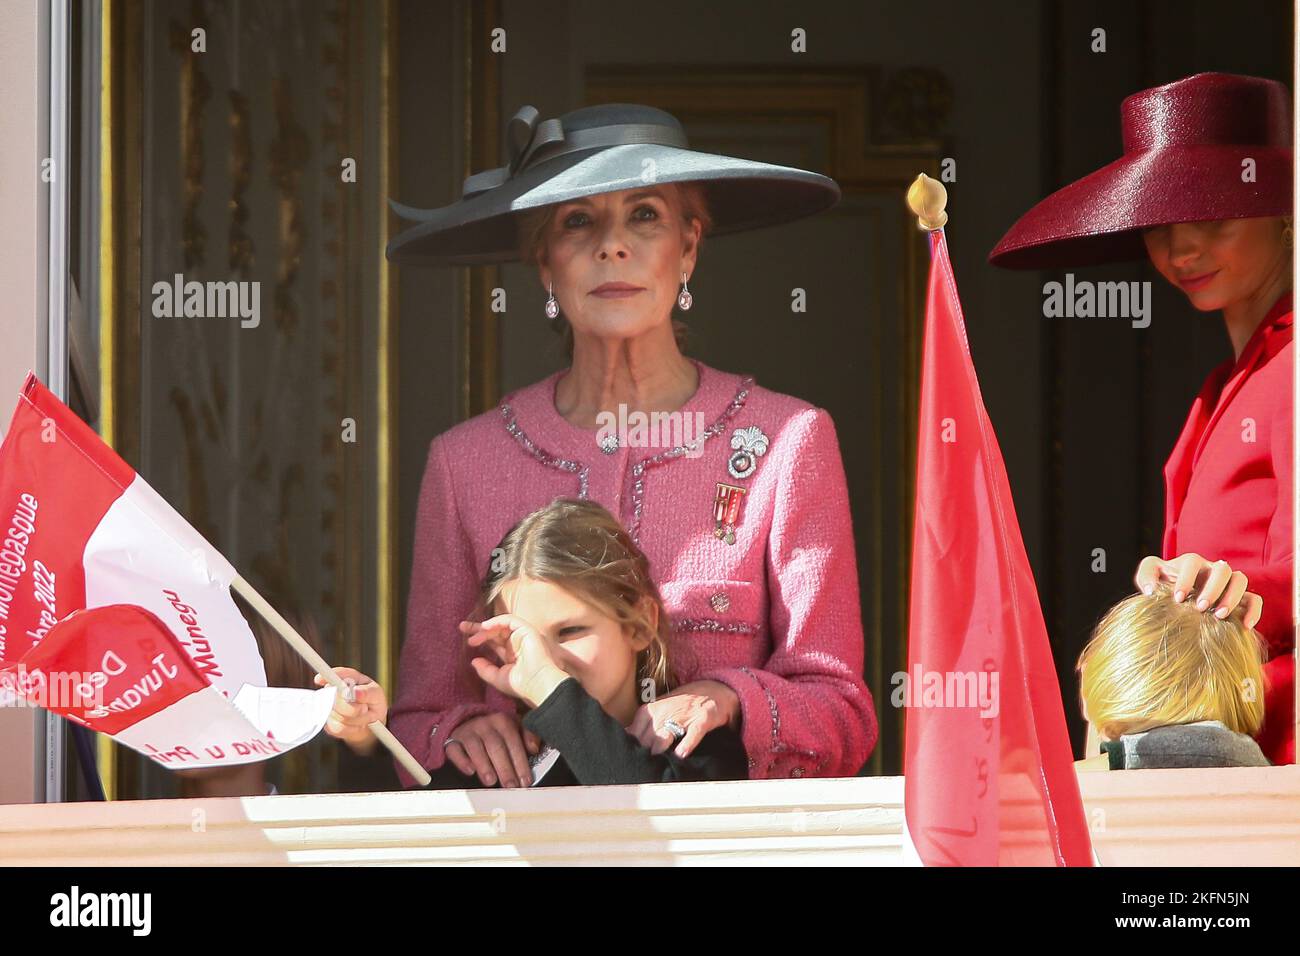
(450, 741)
(674, 728)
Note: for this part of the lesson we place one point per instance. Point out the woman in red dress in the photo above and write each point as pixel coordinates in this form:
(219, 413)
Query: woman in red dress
(1204, 190)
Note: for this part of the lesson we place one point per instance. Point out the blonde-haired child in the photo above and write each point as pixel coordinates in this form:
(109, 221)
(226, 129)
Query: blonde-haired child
(1167, 685)
(575, 630)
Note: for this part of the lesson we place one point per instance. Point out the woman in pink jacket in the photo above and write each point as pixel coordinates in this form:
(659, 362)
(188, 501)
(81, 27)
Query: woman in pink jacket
(736, 494)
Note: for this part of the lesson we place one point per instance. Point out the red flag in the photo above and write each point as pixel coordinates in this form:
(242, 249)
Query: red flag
(990, 776)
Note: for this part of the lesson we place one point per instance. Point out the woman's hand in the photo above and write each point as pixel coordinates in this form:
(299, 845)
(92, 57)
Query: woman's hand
(531, 664)
(697, 708)
(1213, 581)
(493, 747)
(350, 720)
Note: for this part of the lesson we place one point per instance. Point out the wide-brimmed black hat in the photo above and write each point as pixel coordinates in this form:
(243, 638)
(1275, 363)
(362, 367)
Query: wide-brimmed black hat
(600, 149)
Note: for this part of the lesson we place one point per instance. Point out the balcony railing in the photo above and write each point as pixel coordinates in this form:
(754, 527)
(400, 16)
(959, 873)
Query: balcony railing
(1221, 817)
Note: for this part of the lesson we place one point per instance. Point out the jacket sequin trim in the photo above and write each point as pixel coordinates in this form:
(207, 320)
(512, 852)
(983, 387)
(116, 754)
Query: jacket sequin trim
(779, 747)
(709, 624)
(545, 457)
(639, 469)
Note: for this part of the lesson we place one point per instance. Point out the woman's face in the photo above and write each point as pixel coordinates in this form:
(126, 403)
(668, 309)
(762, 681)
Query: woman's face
(636, 237)
(597, 649)
(1219, 263)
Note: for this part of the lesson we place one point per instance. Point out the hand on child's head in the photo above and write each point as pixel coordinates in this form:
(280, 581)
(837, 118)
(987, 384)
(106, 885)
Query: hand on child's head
(1211, 586)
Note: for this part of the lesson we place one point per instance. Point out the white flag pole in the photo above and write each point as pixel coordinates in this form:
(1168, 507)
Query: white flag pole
(310, 655)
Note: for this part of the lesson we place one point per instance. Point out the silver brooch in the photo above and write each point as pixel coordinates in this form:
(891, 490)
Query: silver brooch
(608, 444)
(750, 444)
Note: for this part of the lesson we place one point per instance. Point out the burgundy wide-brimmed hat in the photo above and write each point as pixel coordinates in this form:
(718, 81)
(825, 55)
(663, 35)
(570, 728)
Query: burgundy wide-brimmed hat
(1185, 149)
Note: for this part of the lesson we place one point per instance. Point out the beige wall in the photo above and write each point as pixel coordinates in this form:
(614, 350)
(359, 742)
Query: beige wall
(21, 252)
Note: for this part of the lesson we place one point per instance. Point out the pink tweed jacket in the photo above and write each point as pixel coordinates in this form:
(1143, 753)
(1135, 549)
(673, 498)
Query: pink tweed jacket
(774, 615)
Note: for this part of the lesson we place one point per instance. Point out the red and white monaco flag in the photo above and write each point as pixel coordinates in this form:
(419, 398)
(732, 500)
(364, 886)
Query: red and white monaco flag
(80, 529)
(119, 670)
(116, 614)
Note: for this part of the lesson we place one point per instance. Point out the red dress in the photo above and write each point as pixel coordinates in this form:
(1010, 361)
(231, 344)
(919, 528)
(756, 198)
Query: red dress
(1228, 495)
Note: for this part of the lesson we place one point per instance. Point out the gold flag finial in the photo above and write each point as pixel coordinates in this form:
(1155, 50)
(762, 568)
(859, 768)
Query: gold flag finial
(927, 198)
